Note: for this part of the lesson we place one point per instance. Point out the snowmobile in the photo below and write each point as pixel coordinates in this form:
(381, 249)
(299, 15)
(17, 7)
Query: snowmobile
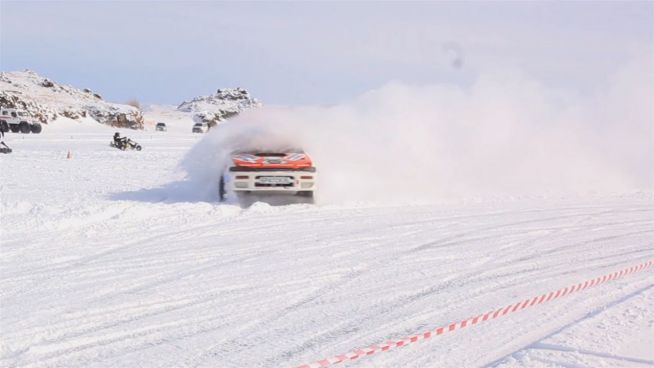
(4, 148)
(125, 144)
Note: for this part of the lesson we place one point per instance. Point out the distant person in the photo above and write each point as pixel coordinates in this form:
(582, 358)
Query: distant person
(4, 127)
(119, 141)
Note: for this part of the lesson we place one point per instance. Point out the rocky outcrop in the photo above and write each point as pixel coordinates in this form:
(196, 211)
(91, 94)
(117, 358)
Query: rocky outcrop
(223, 104)
(47, 100)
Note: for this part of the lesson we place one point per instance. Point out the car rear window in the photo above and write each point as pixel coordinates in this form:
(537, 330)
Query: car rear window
(269, 154)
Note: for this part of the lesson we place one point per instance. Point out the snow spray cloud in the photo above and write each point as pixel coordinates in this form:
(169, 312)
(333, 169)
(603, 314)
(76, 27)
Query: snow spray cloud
(504, 135)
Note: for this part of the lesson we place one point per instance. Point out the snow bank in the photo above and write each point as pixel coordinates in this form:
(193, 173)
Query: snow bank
(506, 134)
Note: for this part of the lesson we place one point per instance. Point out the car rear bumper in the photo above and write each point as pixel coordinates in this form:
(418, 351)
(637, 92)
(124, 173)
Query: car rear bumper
(272, 180)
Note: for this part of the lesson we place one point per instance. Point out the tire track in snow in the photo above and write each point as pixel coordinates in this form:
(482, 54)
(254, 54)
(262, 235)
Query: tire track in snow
(462, 279)
(322, 293)
(335, 287)
(551, 332)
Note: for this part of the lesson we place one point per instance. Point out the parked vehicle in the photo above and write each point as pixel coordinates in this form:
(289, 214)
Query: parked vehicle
(18, 121)
(200, 128)
(161, 127)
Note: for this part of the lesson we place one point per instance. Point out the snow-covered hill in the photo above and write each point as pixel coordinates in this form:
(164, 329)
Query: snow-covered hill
(219, 106)
(212, 109)
(48, 101)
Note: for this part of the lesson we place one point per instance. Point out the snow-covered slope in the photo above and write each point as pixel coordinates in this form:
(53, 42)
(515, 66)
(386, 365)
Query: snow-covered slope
(219, 106)
(47, 101)
(108, 260)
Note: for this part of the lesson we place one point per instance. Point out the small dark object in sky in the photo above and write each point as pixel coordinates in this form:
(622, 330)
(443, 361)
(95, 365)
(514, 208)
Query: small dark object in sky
(454, 54)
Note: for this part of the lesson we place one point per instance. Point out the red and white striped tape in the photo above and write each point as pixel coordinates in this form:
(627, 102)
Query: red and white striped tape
(495, 313)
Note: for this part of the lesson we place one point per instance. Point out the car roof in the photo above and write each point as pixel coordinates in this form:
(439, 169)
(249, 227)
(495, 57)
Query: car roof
(269, 151)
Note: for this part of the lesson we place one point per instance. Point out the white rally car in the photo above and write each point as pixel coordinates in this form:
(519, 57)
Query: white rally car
(269, 172)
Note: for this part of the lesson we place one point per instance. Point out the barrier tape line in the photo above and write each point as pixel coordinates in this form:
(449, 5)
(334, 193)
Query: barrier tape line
(490, 315)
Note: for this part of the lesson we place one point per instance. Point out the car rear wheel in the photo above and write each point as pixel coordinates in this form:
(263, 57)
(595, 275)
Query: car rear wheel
(221, 189)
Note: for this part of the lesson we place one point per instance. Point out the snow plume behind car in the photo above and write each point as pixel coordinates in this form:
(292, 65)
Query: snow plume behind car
(504, 135)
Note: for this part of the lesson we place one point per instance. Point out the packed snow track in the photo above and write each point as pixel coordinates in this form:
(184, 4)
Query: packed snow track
(105, 265)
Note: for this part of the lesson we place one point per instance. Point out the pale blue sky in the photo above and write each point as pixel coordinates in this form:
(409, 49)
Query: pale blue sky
(314, 53)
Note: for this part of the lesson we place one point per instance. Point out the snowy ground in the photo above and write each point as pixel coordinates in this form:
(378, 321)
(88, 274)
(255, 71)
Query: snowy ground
(102, 266)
